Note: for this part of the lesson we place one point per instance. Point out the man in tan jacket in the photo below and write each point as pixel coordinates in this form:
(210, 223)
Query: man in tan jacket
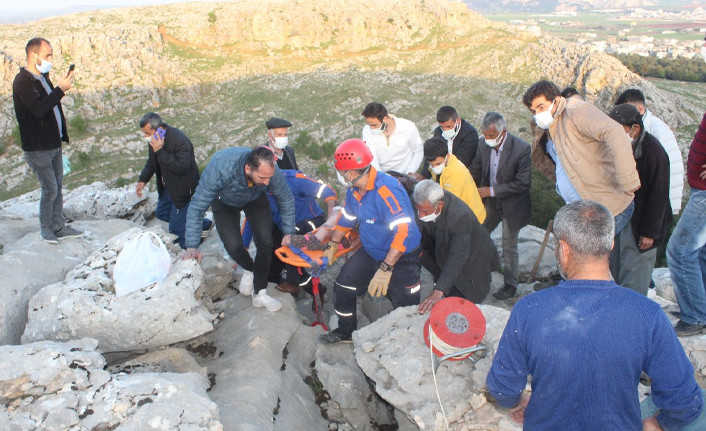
(591, 154)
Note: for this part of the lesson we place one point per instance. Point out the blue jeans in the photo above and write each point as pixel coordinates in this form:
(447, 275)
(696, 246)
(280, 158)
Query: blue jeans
(622, 219)
(167, 212)
(48, 167)
(686, 258)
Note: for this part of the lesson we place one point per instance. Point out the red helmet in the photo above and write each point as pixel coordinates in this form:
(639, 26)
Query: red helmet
(352, 154)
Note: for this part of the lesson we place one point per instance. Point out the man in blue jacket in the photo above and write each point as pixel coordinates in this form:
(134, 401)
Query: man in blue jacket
(42, 130)
(587, 341)
(236, 180)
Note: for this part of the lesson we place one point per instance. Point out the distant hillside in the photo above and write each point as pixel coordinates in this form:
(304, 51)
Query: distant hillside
(541, 6)
(219, 70)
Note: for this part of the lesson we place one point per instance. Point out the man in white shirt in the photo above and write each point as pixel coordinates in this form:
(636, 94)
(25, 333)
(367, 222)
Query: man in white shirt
(665, 136)
(394, 142)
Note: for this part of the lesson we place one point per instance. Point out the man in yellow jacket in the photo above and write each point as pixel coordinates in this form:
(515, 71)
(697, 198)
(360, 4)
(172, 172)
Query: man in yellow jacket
(452, 175)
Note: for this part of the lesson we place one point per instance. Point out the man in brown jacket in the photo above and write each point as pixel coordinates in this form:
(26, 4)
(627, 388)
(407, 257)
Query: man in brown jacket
(591, 154)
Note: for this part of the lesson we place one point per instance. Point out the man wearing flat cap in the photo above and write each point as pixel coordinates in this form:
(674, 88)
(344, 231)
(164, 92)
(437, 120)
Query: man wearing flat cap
(278, 143)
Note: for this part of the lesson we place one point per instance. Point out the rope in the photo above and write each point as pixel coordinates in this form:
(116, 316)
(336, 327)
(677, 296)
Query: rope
(433, 373)
(441, 345)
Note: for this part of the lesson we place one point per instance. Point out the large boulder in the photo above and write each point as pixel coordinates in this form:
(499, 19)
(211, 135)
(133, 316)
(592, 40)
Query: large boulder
(85, 305)
(53, 386)
(392, 353)
(528, 245)
(94, 201)
(29, 264)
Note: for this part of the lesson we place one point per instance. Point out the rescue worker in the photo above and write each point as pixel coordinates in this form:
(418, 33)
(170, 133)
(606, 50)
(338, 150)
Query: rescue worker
(388, 261)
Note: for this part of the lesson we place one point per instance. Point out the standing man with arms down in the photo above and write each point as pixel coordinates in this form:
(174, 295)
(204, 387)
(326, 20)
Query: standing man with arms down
(502, 170)
(457, 251)
(587, 341)
(388, 260)
(686, 249)
(42, 129)
(278, 143)
(171, 158)
(236, 179)
(394, 142)
(591, 153)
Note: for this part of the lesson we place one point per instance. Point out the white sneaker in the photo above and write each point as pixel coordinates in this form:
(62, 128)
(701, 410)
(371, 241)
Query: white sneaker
(246, 286)
(262, 299)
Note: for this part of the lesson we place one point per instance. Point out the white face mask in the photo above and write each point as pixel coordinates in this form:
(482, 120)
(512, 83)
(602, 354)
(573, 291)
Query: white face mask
(703, 52)
(492, 143)
(343, 181)
(148, 139)
(379, 130)
(544, 119)
(438, 169)
(281, 142)
(429, 217)
(44, 67)
(451, 133)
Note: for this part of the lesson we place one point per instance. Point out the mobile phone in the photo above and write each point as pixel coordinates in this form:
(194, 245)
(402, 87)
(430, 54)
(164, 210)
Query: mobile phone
(71, 69)
(160, 132)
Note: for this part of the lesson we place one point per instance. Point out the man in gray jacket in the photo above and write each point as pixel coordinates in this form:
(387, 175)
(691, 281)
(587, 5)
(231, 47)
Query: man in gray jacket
(236, 179)
(456, 250)
(502, 170)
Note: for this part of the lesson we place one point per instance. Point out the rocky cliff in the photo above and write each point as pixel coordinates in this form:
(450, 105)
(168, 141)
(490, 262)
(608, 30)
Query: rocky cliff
(219, 70)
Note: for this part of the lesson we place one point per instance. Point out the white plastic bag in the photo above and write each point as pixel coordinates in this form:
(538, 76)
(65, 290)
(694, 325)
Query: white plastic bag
(144, 260)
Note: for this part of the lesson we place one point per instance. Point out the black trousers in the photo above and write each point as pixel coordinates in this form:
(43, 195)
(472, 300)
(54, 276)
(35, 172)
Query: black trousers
(227, 220)
(355, 276)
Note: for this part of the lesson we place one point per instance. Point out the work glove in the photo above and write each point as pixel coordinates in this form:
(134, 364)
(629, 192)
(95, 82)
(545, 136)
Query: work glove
(330, 252)
(379, 284)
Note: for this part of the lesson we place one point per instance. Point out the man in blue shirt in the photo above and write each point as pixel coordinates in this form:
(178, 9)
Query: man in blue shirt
(587, 341)
(389, 257)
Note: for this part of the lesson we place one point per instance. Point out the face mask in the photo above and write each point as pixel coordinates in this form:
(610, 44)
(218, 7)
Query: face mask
(343, 181)
(451, 133)
(379, 130)
(281, 142)
(544, 119)
(492, 143)
(430, 217)
(438, 169)
(148, 139)
(703, 52)
(45, 67)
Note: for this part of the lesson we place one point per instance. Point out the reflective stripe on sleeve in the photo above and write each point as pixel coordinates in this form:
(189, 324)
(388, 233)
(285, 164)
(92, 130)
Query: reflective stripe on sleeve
(400, 221)
(344, 314)
(415, 289)
(321, 191)
(347, 216)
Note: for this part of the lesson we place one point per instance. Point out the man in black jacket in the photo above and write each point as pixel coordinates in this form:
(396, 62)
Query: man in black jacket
(42, 129)
(171, 158)
(456, 250)
(459, 133)
(502, 170)
(278, 143)
(635, 250)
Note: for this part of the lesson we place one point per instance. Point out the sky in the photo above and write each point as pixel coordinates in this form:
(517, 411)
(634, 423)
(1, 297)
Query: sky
(17, 11)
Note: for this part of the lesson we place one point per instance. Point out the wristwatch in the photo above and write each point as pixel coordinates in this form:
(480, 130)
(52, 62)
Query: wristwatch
(385, 267)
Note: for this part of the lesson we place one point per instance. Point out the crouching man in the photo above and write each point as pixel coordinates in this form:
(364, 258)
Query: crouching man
(586, 342)
(457, 250)
(388, 260)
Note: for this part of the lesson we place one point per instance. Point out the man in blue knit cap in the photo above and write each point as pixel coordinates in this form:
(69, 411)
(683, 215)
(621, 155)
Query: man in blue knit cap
(587, 341)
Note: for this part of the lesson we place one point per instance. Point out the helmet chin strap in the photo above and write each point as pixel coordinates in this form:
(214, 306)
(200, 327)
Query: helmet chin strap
(367, 169)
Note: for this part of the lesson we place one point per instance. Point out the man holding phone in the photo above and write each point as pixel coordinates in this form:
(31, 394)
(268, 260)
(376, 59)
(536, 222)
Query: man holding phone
(42, 130)
(171, 158)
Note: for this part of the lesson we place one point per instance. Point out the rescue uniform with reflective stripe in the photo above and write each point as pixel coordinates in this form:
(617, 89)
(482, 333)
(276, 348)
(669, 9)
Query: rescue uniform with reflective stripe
(385, 220)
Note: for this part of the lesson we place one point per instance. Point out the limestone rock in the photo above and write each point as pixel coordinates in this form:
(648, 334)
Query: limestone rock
(29, 264)
(166, 360)
(61, 386)
(528, 244)
(85, 305)
(664, 287)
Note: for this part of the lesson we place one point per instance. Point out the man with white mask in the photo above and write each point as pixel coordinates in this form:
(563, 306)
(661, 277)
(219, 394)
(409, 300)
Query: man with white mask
(278, 143)
(459, 259)
(591, 153)
(42, 130)
(461, 136)
(394, 142)
(502, 170)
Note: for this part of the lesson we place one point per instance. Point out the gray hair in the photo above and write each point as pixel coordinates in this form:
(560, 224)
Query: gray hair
(587, 227)
(493, 119)
(427, 191)
(153, 119)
